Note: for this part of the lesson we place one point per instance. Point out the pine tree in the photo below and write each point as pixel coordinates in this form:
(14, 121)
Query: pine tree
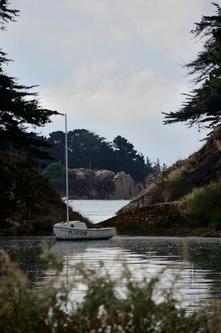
(19, 107)
(6, 14)
(203, 104)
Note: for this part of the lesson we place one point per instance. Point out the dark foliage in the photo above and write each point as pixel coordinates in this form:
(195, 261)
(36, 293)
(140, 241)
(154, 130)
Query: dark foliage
(203, 104)
(26, 198)
(6, 14)
(20, 109)
(19, 106)
(29, 203)
(89, 150)
(128, 159)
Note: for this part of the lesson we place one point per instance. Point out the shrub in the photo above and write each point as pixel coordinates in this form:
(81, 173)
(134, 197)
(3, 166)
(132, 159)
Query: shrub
(202, 205)
(103, 309)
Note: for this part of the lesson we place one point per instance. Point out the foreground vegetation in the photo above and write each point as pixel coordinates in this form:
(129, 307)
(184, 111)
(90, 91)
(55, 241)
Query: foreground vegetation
(103, 309)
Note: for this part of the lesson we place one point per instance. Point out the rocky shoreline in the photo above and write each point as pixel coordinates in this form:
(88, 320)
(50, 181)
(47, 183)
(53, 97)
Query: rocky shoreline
(158, 220)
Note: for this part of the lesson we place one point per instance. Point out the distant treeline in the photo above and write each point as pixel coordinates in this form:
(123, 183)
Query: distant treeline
(89, 150)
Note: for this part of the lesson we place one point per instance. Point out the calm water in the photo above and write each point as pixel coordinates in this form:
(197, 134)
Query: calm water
(196, 260)
(97, 210)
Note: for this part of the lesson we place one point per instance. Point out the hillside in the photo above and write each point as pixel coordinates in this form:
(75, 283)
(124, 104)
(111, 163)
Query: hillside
(29, 204)
(186, 196)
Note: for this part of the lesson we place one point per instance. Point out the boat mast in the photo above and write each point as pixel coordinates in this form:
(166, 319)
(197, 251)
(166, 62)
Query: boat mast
(66, 165)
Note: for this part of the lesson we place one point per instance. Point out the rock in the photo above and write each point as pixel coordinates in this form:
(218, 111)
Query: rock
(125, 187)
(102, 184)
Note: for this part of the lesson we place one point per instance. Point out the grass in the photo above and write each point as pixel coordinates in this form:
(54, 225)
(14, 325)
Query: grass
(103, 309)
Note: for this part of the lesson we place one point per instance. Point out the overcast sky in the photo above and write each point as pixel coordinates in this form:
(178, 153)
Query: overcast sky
(112, 65)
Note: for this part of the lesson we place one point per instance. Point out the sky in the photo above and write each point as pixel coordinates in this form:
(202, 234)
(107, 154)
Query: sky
(112, 65)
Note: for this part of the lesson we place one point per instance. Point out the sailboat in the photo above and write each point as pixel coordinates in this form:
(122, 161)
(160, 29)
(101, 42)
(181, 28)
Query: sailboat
(77, 230)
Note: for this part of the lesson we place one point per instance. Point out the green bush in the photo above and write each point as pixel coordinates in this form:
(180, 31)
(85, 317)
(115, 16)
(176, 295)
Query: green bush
(103, 309)
(203, 205)
(215, 218)
(56, 174)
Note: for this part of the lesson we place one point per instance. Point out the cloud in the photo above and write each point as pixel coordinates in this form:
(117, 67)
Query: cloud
(158, 23)
(112, 65)
(97, 99)
(96, 91)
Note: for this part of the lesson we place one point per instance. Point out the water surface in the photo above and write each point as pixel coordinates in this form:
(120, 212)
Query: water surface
(196, 260)
(97, 210)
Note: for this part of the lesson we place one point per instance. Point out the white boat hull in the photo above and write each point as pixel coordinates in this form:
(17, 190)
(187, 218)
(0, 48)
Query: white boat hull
(69, 233)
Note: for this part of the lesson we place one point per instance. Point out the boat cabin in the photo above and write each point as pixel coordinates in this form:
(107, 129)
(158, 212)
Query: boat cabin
(76, 225)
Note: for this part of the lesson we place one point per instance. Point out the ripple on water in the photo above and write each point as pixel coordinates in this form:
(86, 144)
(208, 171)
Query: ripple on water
(195, 260)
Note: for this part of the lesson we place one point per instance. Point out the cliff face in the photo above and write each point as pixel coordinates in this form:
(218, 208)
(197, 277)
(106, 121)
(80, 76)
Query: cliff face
(102, 184)
(198, 170)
